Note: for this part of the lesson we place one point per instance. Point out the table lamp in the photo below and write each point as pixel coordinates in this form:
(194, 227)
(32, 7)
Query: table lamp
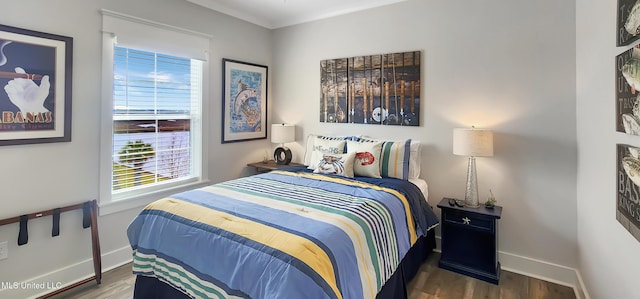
(472, 143)
(282, 133)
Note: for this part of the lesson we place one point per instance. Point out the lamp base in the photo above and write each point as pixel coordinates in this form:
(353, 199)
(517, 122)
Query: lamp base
(282, 155)
(471, 192)
(470, 204)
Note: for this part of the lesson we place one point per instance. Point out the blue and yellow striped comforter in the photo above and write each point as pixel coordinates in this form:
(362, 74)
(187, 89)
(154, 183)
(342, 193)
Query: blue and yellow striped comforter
(279, 235)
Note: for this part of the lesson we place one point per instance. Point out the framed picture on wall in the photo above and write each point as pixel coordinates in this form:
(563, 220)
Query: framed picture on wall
(35, 75)
(244, 101)
(374, 89)
(628, 91)
(628, 185)
(628, 23)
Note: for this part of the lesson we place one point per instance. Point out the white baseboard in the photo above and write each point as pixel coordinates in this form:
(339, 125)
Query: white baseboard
(48, 283)
(543, 270)
(52, 281)
(117, 258)
(551, 272)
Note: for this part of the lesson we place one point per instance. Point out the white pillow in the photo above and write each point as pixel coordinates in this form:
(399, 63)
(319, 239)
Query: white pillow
(338, 164)
(310, 146)
(414, 159)
(308, 149)
(314, 158)
(367, 160)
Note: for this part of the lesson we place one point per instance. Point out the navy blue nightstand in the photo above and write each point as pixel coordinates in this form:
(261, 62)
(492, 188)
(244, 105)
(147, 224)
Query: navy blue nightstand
(470, 241)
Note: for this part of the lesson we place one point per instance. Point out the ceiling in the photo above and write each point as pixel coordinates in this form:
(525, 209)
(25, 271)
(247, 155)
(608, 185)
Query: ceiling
(280, 13)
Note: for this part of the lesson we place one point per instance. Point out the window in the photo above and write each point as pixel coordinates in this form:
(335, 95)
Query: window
(155, 97)
(152, 142)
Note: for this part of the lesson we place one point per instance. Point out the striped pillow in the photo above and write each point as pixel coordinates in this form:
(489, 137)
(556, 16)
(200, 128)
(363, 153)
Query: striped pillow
(395, 159)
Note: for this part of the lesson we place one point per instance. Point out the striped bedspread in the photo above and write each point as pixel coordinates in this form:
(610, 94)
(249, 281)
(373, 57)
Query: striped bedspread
(278, 235)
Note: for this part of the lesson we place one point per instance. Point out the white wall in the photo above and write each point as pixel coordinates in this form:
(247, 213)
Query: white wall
(504, 65)
(44, 176)
(608, 257)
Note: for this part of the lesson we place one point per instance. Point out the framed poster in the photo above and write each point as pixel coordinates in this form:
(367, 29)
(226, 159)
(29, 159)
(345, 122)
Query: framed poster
(627, 91)
(628, 198)
(244, 101)
(375, 89)
(628, 23)
(35, 73)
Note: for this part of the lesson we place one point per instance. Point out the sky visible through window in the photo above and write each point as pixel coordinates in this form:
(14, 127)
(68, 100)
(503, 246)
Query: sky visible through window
(146, 81)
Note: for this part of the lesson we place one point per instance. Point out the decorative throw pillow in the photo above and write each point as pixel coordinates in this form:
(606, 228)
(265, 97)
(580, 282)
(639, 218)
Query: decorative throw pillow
(395, 159)
(323, 144)
(414, 156)
(367, 160)
(338, 164)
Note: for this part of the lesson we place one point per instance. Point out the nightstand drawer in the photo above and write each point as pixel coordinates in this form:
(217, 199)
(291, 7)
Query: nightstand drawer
(469, 219)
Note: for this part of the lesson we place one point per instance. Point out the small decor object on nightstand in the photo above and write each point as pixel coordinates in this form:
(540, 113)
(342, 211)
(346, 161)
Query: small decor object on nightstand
(454, 202)
(282, 133)
(491, 201)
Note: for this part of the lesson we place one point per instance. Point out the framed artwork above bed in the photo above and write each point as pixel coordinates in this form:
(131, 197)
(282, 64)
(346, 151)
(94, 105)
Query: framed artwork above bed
(375, 89)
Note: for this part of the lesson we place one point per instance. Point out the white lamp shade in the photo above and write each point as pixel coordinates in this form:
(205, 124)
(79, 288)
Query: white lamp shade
(472, 142)
(283, 133)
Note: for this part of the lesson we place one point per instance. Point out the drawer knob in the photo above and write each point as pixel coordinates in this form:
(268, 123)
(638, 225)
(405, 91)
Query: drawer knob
(466, 220)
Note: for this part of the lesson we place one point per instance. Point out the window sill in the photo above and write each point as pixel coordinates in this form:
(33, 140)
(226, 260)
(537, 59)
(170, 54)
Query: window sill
(142, 200)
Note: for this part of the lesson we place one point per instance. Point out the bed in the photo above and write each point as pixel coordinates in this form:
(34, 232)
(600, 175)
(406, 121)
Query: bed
(284, 234)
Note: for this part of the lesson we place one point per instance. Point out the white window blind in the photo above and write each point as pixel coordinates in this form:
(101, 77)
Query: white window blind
(155, 97)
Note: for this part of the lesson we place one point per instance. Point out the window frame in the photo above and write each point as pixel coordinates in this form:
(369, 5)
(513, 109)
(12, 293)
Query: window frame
(137, 197)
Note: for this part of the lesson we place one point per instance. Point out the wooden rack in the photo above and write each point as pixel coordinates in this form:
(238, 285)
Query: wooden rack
(91, 217)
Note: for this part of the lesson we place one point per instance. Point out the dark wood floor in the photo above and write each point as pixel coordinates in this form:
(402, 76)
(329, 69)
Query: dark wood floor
(430, 283)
